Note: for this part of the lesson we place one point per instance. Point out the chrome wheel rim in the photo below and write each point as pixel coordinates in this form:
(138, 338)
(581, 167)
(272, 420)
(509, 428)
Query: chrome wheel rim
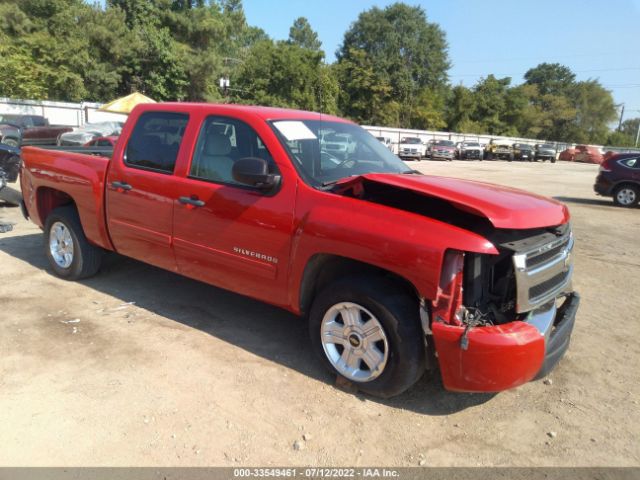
(354, 342)
(626, 196)
(61, 245)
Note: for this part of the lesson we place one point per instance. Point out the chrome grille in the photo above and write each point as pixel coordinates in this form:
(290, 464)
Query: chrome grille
(543, 273)
(553, 250)
(548, 285)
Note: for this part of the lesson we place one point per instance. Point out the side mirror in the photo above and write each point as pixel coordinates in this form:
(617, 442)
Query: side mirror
(254, 172)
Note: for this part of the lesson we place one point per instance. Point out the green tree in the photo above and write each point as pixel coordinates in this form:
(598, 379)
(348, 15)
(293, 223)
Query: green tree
(364, 96)
(595, 109)
(403, 50)
(551, 78)
(285, 75)
(302, 34)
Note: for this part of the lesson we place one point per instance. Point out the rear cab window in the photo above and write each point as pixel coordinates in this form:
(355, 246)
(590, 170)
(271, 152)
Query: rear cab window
(155, 141)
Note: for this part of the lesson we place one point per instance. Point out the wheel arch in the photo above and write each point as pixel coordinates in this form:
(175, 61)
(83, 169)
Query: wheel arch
(623, 183)
(322, 269)
(48, 199)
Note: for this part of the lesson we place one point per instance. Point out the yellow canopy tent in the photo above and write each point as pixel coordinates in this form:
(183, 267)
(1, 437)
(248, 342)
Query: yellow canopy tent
(125, 104)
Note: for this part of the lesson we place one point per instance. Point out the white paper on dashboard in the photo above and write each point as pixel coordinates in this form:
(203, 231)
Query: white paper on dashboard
(294, 130)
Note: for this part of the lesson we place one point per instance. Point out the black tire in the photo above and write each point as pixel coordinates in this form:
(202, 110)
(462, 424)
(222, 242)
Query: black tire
(87, 258)
(553, 160)
(632, 196)
(398, 314)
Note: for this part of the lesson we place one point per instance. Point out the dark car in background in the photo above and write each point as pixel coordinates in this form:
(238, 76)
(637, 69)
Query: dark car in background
(544, 152)
(9, 168)
(9, 162)
(20, 130)
(619, 177)
(523, 151)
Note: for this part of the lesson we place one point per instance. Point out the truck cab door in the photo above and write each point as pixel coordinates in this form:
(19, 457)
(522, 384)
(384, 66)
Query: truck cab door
(141, 188)
(228, 234)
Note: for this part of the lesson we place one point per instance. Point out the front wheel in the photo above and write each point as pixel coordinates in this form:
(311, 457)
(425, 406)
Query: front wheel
(12, 142)
(626, 196)
(368, 331)
(70, 254)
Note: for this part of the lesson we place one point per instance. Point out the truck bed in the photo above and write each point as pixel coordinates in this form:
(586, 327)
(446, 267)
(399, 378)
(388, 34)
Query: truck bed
(54, 176)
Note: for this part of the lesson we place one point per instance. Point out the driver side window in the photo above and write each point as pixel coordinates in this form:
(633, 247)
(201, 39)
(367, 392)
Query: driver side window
(223, 141)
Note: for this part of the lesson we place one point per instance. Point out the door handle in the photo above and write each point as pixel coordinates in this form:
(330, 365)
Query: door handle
(193, 201)
(121, 186)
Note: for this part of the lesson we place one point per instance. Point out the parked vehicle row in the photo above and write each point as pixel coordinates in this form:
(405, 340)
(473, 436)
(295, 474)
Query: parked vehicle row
(413, 148)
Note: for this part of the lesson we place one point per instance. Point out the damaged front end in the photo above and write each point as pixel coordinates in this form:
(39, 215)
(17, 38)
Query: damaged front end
(502, 320)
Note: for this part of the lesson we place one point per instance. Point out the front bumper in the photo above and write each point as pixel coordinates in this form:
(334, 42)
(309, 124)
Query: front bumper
(410, 156)
(504, 356)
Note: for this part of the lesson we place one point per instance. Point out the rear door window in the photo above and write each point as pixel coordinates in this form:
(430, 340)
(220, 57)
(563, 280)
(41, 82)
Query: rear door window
(155, 141)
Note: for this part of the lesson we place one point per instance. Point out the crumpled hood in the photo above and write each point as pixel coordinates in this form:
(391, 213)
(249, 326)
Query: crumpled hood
(504, 207)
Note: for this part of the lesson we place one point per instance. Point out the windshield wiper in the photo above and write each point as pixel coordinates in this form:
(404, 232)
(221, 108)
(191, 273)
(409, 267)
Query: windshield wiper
(409, 172)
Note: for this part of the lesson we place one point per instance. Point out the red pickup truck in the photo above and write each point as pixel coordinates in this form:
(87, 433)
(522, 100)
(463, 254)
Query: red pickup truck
(395, 271)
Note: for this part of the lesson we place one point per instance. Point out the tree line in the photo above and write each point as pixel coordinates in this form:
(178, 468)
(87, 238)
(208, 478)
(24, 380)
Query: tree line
(391, 68)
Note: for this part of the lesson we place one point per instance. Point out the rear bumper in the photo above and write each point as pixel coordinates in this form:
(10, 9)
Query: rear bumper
(603, 187)
(505, 356)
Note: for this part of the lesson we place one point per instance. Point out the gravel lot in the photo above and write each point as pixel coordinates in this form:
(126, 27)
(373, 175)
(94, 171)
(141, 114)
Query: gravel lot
(139, 366)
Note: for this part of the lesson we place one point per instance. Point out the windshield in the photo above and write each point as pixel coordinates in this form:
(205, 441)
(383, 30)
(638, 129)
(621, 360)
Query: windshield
(471, 144)
(444, 143)
(546, 145)
(324, 152)
(411, 140)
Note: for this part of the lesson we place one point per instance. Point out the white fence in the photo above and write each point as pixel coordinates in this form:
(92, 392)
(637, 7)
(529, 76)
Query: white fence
(60, 113)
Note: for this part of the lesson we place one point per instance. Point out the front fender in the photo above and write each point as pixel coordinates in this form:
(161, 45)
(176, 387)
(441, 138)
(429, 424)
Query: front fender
(409, 245)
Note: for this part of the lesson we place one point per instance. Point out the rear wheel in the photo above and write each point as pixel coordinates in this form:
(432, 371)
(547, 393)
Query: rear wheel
(626, 196)
(367, 330)
(70, 254)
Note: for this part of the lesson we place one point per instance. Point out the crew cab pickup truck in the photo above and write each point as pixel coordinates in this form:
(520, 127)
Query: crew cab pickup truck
(16, 130)
(395, 271)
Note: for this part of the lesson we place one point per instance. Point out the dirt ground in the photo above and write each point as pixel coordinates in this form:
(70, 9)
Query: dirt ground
(139, 366)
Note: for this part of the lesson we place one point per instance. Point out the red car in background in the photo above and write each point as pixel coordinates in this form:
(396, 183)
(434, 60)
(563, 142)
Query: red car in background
(587, 154)
(568, 155)
(103, 142)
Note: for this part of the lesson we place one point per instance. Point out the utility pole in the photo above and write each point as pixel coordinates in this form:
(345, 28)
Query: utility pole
(621, 114)
(638, 134)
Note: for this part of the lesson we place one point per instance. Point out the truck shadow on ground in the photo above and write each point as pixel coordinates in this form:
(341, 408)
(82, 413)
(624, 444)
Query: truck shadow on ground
(263, 330)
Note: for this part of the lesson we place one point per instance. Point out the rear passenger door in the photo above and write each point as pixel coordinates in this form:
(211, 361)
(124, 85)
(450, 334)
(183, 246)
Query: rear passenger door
(140, 189)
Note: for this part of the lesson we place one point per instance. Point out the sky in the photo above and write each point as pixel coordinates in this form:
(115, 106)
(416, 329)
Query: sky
(596, 39)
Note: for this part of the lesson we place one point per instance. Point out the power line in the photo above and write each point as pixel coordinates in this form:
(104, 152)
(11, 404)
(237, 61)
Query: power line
(522, 59)
(575, 71)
